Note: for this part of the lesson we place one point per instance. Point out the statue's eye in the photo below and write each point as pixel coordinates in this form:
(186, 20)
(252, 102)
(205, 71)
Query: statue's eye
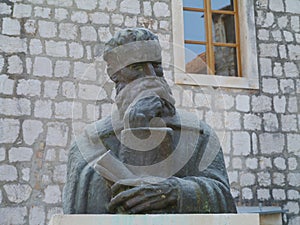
(138, 67)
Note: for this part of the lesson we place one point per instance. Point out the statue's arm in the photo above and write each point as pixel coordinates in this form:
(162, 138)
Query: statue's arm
(208, 192)
(85, 191)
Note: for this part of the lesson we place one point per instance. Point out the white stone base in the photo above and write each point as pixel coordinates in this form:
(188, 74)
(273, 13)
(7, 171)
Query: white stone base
(157, 219)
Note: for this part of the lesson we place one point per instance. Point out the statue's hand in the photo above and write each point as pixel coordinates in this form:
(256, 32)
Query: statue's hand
(146, 198)
(147, 108)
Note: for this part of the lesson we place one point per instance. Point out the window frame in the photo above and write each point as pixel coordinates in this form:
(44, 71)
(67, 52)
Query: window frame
(248, 51)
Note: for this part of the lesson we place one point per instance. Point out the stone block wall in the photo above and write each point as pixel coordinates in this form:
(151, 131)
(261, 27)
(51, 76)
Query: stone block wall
(53, 82)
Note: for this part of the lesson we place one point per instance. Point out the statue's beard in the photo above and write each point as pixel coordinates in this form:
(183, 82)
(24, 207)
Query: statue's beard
(150, 96)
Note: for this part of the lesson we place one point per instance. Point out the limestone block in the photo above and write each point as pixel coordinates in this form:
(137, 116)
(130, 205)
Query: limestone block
(271, 143)
(21, 154)
(161, 9)
(31, 130)
(15, 106)
(22, 10)
(42, 12)
(12, 44)
(51, 88)
(130, 6)
(57, 134)
(8, 173)
(6, 85)
(15, 65)
(29, 87)
(61, 14)
(241, 143)
(47, 29)
(292, 6)
(79, 17)
(36, 215)
(68, 31)
(56, 48)
(17, 193)
(9, 130)
(13, 215)
(52, 194)
(100, 18)
(11, 26)
(42, 67)
(75, 50)
(87, 5)
(109, 5)
(164, 219)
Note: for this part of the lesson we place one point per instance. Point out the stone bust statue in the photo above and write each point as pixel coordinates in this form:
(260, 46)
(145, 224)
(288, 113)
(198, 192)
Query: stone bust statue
(148, 156)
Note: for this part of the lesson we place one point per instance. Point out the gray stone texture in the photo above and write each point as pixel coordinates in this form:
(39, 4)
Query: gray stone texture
(36, 78)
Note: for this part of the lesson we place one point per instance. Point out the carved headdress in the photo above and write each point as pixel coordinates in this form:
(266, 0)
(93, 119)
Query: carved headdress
(130, 46)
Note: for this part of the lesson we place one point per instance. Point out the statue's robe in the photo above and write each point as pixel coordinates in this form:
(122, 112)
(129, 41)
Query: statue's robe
(203, 190)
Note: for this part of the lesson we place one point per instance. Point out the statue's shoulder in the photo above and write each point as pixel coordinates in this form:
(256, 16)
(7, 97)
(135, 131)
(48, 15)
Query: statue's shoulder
(99, 129)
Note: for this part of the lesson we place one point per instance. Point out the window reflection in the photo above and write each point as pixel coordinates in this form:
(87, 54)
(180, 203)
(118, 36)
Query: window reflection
(194, 28)
(195, 58)
(222, 4)
(193, 3)
(223, 28)
(225, 61)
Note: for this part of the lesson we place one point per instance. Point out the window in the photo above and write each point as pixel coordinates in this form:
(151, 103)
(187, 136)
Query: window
(209, 48)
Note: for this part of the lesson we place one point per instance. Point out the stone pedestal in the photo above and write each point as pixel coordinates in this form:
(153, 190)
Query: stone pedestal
(157, 219)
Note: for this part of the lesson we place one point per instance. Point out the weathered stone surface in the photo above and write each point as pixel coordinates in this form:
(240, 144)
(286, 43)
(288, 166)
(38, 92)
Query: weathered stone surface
(60, 174)
(22, 10)
(9, 130)
(47, 29)
(52, 194)
(11, 26)
(270, 122)
(64, 110)
(292, 6)
(276, 5)
(42, 109)
(68, 31)
(57, 134)
(31, 130)
(13, 215)
(8, 173)
(88, 5)
(12, 44)
(51, 89)
(21, 154)
(247, 179)
(15, 65)
(62, 68)
(130, 6)
(42, 12)
(271, 143)
(161, 9)
(91, 92)
(37, 215)
(17, 193)
(56, 48)
(42, 67)
(261, 103)
(29, 87)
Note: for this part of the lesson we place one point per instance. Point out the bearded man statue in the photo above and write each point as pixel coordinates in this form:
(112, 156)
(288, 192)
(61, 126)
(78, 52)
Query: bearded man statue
(147, 156)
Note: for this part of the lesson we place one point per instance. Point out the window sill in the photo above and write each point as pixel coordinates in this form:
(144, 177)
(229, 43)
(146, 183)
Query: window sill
(216, 81)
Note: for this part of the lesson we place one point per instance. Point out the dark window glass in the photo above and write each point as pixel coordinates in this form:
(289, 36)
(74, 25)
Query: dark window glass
(223, 28)
(225, 61)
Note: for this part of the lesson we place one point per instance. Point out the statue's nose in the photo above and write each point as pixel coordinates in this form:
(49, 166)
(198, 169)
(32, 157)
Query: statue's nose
(149, 69)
